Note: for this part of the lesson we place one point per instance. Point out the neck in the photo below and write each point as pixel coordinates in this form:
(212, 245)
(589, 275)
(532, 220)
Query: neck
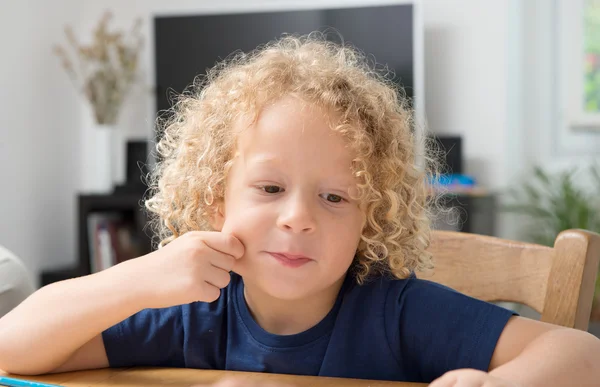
(289, 317)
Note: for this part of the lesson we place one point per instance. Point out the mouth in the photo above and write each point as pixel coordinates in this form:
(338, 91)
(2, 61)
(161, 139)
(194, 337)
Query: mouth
(290, 260)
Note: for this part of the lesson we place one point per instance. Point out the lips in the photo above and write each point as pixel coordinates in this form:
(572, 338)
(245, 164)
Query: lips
(290, 260)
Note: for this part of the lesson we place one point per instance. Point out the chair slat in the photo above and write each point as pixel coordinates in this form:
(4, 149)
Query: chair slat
(557, 282)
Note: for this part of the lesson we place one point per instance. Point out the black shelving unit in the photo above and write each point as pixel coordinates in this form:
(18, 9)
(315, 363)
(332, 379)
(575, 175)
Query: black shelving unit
(128, 204)
(466, 212)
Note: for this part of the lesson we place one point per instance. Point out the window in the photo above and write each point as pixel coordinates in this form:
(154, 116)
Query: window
(580, 40)
(591, 53)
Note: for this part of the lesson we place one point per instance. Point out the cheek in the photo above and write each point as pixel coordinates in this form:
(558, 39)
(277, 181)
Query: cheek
(244, 221)
(348, 243)
(353, 233)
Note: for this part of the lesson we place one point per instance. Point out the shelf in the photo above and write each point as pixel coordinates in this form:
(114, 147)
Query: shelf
(116, 209)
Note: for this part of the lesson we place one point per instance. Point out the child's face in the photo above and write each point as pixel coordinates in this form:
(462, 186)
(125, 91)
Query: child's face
(288, 192)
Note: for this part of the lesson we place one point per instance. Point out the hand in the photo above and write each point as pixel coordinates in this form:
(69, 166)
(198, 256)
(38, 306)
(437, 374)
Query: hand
(193, 267)
(470, 378)
(239, 382)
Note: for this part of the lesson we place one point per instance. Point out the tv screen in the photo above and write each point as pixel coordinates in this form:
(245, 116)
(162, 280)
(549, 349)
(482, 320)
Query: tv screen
(186, 46)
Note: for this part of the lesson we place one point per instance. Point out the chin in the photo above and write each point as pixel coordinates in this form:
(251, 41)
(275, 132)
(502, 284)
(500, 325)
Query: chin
(285, 288)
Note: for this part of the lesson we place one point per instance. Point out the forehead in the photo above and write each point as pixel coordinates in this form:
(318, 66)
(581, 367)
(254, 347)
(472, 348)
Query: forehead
(294, 130)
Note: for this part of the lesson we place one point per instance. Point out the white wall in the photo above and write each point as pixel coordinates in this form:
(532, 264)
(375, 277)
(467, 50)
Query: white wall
(39, 117)
(466, 77)
(471, 64)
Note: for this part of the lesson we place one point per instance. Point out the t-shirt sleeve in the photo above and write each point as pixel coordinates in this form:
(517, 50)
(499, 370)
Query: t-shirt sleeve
(436, 329)
(151, 337)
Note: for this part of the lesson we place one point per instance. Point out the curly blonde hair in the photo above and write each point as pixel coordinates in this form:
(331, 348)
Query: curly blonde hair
(197, 145)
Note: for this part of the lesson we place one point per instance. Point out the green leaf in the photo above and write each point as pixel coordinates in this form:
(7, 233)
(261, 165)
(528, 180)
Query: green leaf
(554, 203)
(534, 212)
(595, 172)
(542, 176)
(532, 192)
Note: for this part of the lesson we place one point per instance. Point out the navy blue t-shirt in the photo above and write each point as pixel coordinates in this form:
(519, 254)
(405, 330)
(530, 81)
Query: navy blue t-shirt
(387, 329)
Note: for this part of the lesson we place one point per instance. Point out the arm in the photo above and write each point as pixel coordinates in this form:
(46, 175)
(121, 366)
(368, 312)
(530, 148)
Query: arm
(59, 327)
(52, 324)
(532, 353)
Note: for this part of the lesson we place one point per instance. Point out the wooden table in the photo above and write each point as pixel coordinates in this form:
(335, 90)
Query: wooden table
(182, 377)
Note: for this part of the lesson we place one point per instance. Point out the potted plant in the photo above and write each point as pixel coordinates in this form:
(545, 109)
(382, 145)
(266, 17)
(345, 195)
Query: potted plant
(555, 202)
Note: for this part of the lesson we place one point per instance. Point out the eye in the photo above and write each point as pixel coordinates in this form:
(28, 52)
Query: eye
(271, 189)
(333, 198)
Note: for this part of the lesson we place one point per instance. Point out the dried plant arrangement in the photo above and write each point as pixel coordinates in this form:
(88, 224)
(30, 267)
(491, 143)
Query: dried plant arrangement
(104, 70)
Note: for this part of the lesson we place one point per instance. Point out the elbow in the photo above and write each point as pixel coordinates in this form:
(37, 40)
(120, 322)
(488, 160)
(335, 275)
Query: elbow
(20, 358)
(20, 370)
(26, 371)
(19, 365)
(593, 345)
(582, 346)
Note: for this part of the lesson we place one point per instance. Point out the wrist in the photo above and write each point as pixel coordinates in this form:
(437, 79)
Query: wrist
(128, 280)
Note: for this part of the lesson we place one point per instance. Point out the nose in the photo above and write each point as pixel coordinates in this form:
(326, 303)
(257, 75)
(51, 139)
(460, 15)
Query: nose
(297, 215)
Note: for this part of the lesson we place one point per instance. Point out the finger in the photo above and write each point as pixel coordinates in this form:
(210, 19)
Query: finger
(217, 277)
(446, 380)
(210, 292)
(222, 261)
(225, 243)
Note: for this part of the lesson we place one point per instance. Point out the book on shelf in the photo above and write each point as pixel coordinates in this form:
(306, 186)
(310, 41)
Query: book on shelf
(111, 239)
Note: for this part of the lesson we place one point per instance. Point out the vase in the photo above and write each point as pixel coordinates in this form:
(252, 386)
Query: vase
(98, 153)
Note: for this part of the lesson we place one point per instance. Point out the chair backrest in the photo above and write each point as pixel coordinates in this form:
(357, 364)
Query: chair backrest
(557, 282)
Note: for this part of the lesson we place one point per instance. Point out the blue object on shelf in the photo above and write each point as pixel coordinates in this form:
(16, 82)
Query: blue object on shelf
(454, 179)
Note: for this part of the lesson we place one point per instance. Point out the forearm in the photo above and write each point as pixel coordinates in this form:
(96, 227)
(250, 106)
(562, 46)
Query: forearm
(557, 358)
(50, 325)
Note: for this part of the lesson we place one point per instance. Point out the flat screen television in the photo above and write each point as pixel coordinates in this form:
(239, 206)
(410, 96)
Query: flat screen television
(186, 46)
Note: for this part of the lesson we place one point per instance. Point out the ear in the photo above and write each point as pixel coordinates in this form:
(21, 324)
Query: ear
(217, 217)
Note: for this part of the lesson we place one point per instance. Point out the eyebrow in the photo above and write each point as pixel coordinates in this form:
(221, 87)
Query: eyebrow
(345, 182)
(264, 159)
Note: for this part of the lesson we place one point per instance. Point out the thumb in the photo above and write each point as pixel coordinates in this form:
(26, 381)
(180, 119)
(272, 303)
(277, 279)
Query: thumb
(238, 247)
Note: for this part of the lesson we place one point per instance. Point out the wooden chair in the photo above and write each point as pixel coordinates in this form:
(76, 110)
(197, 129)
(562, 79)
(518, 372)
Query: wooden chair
(557, 282)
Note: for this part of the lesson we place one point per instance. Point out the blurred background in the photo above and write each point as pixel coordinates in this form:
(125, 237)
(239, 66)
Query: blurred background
(509, 88)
